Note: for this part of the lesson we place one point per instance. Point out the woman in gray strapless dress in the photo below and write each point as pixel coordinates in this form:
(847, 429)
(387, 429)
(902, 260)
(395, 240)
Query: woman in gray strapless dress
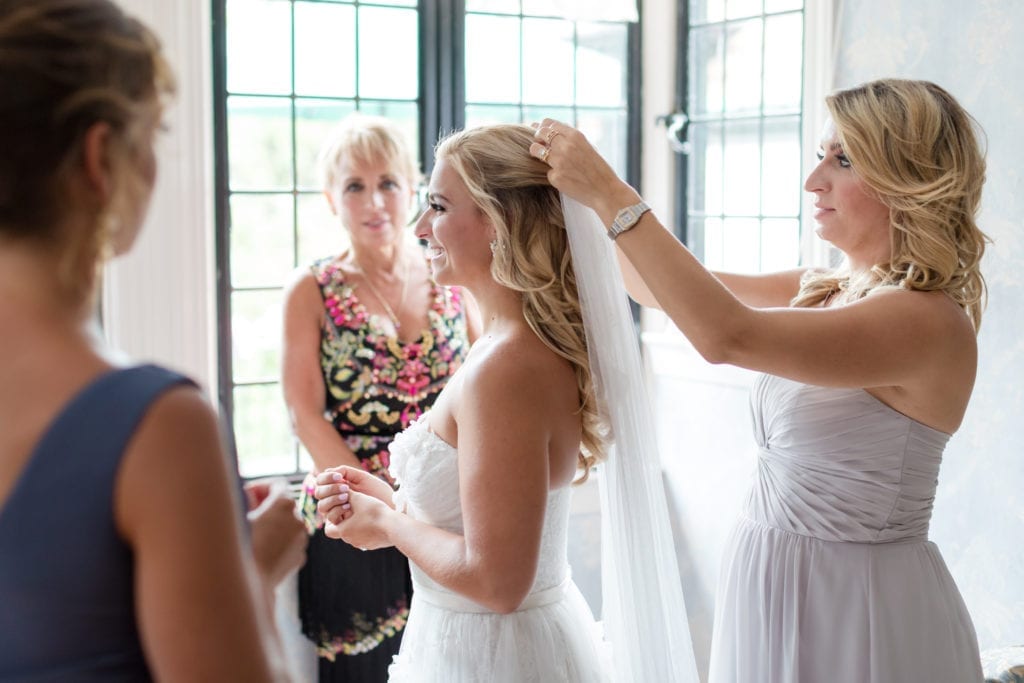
(829, 574)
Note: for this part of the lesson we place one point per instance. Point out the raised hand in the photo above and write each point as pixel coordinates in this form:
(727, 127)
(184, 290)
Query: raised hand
(579, 170)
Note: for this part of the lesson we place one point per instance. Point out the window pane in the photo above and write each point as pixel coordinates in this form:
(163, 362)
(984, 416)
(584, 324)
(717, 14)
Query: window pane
(256, 321)
(783, 58)
(782, 186)
(492, 80)
(388, 53)
(743, 67)
(737, 9)
(782, 5)
(259, 46)
(705, 168)
(601, 64)
(714, 244)
(314, 119)
(494, 6)
(702, 11)
(606, 130)
(538, 114)
(742, 160)
(485, 115)
(548, 73)
(320, 232)
(741, 245)
(260, 143)
(261, 240)
(543, 8)
(262, 431)
(706, 65)
(780, 244)
(405, 115)
(325, 49)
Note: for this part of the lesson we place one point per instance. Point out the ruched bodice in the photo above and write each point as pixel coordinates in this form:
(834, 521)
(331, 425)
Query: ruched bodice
(840, 465)
(829, 574)
(427, 470)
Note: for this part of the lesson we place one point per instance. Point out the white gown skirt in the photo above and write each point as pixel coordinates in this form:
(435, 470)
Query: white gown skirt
(450, 639)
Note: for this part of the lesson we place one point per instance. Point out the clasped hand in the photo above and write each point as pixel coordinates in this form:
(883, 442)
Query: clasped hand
(355, 505)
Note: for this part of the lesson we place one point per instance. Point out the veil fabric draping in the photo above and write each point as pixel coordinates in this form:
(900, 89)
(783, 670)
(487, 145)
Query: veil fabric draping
(643, 611)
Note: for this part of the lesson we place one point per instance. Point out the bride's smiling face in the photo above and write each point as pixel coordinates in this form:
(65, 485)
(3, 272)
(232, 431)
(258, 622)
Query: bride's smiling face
(456, 231)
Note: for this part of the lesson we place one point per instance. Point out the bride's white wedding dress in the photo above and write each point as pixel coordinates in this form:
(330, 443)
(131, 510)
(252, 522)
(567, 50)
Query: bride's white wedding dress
(451, 639)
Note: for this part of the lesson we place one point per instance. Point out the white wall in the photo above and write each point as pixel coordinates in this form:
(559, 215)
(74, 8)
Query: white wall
(973, 49)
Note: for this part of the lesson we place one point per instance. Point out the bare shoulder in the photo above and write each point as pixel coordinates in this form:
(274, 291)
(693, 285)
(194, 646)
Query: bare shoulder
(934, 316)
(521, 366)
(519, 386)
(179, 444)
(302, 289)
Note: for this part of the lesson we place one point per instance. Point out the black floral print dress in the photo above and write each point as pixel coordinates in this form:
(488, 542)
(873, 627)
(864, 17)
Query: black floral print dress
(354, 604)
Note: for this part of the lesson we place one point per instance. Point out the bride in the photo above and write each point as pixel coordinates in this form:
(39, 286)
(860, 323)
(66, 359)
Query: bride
(485, 478)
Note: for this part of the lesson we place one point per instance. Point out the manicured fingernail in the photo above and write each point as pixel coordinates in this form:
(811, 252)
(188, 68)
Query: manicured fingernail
(335, 477)
(343, 488)
(346, 506)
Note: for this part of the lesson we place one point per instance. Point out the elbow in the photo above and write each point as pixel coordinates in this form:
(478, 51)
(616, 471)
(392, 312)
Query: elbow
(505, 597)
(720, 349)
(507, 603)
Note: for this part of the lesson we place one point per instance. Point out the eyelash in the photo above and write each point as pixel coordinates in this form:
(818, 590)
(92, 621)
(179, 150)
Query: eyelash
(435, 207)
(385, 184)
(843, 161)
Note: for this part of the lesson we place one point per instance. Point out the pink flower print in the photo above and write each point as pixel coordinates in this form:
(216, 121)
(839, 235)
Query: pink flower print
(414, 377)
(410, 414)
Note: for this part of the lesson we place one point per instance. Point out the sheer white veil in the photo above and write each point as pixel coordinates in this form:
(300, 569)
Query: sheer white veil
(643, 611)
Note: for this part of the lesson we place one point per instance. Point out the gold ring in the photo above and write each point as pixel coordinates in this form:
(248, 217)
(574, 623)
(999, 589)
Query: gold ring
(550, 136)
(543, 153)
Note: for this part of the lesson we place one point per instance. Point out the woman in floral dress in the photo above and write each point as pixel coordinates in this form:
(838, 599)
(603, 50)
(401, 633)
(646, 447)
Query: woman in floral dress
(370, 340)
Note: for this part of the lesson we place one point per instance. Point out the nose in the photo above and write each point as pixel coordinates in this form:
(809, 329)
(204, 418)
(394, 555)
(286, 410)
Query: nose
(377, 198)
(422, 226)
(816, 180)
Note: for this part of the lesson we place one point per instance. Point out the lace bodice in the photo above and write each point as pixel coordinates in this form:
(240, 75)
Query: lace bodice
(426, 469)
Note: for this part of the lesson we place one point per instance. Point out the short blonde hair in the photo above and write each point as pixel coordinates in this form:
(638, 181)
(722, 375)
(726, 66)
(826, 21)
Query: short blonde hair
(532, 253)
(917, 150)
(366, 139)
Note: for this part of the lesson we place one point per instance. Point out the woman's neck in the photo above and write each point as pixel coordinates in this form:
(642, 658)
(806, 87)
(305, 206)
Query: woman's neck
(389, 260)
(30, 286)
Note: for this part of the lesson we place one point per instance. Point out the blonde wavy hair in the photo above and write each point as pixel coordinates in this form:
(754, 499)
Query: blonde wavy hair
(531, 253)
(916, 149)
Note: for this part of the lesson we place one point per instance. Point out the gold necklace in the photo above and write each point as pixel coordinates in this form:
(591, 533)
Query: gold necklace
(380, 297)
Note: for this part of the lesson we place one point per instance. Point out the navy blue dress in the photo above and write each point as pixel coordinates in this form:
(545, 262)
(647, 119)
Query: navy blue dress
(67, 607)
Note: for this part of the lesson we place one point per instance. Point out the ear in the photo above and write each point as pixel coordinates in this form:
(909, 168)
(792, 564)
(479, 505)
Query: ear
(329, 196)
(96, 160)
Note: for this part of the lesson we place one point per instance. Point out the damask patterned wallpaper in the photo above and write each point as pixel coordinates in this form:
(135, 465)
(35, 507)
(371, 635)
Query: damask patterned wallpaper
(974, 50)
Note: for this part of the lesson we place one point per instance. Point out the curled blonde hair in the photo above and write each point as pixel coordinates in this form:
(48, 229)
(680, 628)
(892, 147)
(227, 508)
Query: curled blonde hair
(916, 149)
(531, 255)
(366, 139)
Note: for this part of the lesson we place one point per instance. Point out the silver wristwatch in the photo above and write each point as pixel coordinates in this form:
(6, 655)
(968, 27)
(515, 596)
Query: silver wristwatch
(626, 219)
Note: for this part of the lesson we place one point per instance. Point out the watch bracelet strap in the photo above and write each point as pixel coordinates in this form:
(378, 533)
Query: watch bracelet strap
(627, 218)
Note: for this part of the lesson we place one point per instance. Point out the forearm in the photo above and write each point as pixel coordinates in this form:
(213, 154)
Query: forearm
(446, 558)
(702, 307)
(323, 442)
